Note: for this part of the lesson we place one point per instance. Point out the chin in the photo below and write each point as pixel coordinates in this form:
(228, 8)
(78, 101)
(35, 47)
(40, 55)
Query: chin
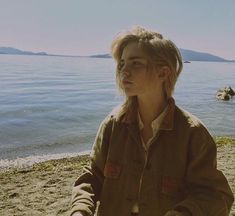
(129, 93)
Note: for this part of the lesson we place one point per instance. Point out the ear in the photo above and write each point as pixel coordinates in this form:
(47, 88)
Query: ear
(164, 72)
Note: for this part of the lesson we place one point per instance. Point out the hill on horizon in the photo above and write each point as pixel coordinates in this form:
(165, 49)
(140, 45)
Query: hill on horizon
(14, 51)
(188, 55)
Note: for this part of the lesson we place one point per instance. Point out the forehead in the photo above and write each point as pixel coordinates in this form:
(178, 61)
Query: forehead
(133, 50)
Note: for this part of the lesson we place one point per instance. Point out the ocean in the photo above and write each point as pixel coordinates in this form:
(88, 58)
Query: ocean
(51, 107)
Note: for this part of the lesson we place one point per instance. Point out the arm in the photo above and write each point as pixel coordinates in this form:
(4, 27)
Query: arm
(88, 186)
(208, 192)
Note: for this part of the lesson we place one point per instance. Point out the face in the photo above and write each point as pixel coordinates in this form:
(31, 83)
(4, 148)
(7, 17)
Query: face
(134, 73)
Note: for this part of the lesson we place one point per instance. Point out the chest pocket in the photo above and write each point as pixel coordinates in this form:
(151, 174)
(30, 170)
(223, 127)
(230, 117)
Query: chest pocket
(112, 170)
(171, 192)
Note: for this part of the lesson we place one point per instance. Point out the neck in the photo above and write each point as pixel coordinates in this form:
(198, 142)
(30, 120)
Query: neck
(151, 108)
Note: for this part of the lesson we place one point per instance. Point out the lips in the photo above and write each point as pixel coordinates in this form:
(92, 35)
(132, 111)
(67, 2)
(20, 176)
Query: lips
(126, 82)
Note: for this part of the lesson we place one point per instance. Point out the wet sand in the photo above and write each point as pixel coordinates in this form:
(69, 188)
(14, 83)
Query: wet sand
(45, 188)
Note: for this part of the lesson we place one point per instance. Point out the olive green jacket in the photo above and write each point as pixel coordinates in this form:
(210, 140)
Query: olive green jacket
(179, 171)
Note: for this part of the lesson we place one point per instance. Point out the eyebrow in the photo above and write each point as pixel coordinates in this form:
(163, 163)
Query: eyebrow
(134, 58)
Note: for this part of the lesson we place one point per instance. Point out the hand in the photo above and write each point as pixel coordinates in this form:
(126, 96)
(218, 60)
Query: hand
(174, 213)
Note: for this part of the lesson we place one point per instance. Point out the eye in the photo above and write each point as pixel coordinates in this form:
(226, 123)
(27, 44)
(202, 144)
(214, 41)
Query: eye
(137, 64)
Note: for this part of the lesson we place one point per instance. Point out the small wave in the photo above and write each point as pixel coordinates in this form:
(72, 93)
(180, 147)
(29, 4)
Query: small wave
(61, 145)
(25, 162)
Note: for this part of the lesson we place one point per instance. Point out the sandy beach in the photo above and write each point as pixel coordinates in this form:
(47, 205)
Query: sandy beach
(45, 188)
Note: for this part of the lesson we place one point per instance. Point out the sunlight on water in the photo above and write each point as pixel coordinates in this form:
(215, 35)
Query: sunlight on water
(54, 105)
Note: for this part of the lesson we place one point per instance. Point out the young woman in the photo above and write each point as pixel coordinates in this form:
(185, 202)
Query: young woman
(150, 157)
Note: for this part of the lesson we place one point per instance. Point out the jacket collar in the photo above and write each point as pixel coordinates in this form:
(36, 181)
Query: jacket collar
(168, 120)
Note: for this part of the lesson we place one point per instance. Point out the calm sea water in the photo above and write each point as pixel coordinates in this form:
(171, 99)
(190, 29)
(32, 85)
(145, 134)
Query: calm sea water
(52, 106)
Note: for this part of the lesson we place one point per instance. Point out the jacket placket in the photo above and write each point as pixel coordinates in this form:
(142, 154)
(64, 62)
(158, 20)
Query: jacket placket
(135, 133)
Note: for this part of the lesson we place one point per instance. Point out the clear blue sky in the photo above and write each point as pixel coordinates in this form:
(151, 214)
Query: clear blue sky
(83, 27)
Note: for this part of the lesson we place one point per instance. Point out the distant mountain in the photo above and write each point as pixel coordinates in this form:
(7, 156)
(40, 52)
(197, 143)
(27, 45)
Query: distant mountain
(14, 51)
(188, 55)
(101, 56)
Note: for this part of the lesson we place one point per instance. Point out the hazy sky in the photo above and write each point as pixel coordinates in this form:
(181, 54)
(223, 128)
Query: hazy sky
(83, 27)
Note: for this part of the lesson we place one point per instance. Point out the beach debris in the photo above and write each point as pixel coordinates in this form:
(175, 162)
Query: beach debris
(13, 195)
(225, 93)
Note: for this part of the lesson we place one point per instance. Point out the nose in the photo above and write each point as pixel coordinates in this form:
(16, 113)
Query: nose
(126, 70)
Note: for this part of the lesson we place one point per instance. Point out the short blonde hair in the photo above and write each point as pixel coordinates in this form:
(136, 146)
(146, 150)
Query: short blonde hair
(160, 52)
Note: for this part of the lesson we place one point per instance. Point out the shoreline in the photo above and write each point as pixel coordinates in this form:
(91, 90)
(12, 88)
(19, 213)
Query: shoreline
(28, 161)
(45, 188)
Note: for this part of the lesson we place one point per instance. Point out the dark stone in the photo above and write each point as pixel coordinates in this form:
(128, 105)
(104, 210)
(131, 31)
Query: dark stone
(225, 94)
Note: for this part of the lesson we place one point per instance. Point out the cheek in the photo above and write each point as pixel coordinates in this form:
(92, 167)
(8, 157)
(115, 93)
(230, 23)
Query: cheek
(141, 77)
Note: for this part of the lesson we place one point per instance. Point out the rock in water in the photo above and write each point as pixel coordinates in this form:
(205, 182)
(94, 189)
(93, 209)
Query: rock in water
(225, 93)
(229, 90)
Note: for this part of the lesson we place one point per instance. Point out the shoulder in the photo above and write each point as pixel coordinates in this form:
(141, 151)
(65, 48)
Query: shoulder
(115, 111)
(200, 137)
(111, 118)
(188, 118)
(117, 114)
(191, 122)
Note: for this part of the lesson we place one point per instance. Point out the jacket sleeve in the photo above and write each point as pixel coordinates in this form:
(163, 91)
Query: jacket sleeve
(208, 192)
(88, 186)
